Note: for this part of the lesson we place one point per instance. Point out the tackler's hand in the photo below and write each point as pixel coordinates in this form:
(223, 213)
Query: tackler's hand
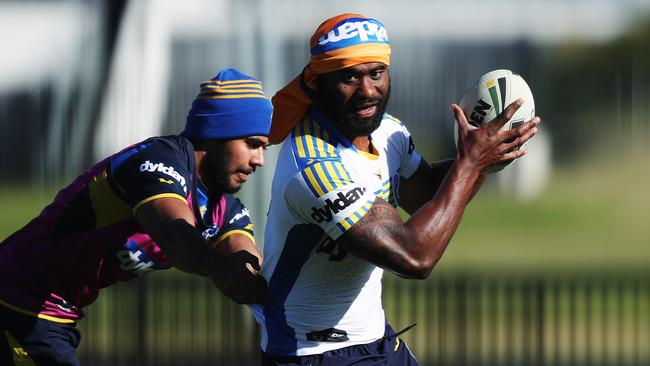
(236, 275)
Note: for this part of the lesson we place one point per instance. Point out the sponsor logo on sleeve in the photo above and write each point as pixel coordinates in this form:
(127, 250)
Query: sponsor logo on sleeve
(148, 166)
(340, 203)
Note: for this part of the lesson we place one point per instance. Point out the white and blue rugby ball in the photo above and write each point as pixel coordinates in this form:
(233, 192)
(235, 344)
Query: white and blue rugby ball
(493, 92)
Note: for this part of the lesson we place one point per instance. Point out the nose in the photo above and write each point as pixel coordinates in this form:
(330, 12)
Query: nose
(367, 88)
(257, 158)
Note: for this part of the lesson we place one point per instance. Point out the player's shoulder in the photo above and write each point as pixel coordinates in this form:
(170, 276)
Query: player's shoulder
(318, 176)
(173, 144)
(391, 131)
(164, 148)
(390, 119)
(391, 125)
(310, 141)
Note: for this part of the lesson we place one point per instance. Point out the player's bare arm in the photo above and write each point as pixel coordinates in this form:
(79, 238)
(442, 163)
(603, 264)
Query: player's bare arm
(170, 222)
(413, 248)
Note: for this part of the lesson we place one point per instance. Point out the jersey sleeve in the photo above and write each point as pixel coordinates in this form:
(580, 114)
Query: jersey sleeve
(237, 221)
(410, 158)
(149, 171)
(324, 194)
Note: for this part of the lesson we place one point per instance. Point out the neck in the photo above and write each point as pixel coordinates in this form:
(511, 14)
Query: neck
(363, 143)
(198, 158)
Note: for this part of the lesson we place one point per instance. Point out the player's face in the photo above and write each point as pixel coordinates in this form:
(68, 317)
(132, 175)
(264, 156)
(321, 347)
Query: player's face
(228, 164)
(355, 98)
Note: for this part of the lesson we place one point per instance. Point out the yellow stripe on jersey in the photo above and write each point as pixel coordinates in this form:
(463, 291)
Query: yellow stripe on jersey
(299, 138)
(42, 316)
(384, 191)
(312, 182)
(323, 134)
(346, 223)
(317, 158)
(340, 169)
(320, 145)
(308, 139)
(352, 219)
(243, 232)
(322, 141)
(108, 207)
(312, 141)
(162, 195)
(331, 170)
(324, 178)
(368, 156)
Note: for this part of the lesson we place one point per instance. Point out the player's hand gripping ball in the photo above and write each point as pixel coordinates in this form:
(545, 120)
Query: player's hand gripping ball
(493, 92)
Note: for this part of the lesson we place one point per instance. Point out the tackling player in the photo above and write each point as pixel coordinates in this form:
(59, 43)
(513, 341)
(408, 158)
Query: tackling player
(163, 202)
(344, 167)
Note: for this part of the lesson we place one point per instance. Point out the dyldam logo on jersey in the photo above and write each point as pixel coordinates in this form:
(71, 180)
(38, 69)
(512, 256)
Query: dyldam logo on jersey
(148, 166)
(340, 203)
(244, 212)
(362, 29)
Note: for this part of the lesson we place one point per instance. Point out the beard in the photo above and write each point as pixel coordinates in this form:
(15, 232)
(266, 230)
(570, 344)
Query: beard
(344, 116)
(214, 172)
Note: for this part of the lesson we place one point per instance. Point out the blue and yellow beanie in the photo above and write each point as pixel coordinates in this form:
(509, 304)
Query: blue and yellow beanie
(231, 105)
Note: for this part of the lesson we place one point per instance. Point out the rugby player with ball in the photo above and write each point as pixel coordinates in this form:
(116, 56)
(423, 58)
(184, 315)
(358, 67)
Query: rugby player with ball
(344, 167)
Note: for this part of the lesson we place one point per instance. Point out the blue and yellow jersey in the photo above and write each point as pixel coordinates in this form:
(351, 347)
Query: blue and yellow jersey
(321, 298)
(88, 238)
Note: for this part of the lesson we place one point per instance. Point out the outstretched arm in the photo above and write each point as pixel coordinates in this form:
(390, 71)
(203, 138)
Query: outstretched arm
(413, 248)
(171, 224)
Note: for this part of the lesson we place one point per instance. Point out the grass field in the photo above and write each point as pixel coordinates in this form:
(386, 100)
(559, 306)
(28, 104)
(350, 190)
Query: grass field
(594, 214)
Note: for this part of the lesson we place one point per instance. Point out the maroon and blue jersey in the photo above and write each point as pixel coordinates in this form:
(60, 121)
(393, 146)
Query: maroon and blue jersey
(89, 238)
